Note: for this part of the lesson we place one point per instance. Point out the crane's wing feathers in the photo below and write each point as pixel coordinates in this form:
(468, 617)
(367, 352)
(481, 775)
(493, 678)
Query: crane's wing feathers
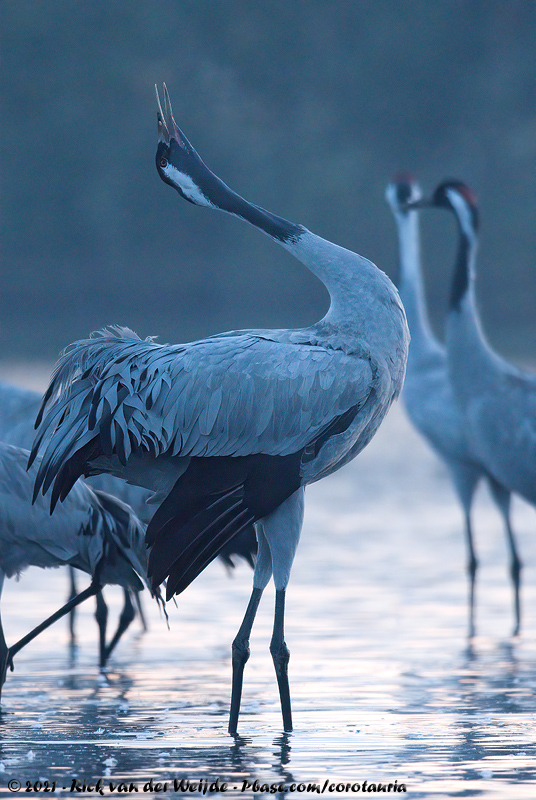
(91, 531)
(227, 396)
(214, 501)
(244, 412)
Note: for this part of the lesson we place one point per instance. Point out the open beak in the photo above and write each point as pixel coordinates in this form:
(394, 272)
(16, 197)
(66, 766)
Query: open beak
(163, 132)
(166, 123)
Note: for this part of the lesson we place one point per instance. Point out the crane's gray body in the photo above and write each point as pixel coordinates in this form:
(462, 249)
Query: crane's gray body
(92, 531)
(83, 533)
(498, 400)
(18, 410)
(229, 430)
(428, 394)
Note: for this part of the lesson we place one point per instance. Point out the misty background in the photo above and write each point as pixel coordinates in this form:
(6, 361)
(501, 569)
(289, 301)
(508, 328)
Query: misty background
(305, 107)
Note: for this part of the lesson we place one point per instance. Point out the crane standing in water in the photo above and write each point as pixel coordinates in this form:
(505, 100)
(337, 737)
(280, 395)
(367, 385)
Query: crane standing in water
(229, 430)
(497, 400)
(93, 532)
(18, 410)
(428, 394)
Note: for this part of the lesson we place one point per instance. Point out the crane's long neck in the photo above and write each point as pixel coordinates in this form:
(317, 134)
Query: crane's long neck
(463, 277)
(366, 316)
(469, 355)
(411, 286)
(276, 227)
(364, 302)
(361, 294)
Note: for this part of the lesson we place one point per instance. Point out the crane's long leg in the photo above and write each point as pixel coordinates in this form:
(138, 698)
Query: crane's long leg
(466, 477)
(472, 565)
(101, 615)
(72, 614)
(93, 588)
(282, 530)
(127, 615)
(515, 572)
(281, 656)
(502, 498)
(240, 650)
(240, 647)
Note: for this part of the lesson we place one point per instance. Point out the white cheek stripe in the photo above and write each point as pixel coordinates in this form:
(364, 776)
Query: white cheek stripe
(186, 184)
(392, 199)
(464, 213)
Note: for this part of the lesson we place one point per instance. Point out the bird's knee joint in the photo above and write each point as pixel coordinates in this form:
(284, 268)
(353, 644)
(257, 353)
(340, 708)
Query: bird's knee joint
(127, 615)
(101, 615)
(516, 568)
(240, 651)
(280, 654)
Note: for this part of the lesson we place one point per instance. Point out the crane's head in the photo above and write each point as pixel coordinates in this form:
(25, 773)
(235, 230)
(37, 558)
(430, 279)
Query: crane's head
(176, 160)
(402, 190)
(458, 198)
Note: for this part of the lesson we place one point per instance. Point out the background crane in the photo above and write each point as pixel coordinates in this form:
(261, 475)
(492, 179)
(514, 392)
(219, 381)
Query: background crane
(92, 531)
(497, 400)
(428, 394)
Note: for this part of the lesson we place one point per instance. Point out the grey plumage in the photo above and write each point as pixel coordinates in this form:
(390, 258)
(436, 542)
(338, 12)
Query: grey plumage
(92, 531)
(497, 400)
(228, 430)
(428, 394)
(232, 395)
(18, 410)
(80, 533)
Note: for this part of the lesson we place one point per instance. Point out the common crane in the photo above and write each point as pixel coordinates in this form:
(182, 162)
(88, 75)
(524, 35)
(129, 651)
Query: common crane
(92, 531)
(428, 394)
(18, 410)
(229, 430)
(496, 399)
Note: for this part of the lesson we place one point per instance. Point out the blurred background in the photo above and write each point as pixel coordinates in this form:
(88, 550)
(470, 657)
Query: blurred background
(306, 107)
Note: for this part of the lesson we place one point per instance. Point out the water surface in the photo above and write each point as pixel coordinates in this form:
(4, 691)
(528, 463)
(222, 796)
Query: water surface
(385, 684)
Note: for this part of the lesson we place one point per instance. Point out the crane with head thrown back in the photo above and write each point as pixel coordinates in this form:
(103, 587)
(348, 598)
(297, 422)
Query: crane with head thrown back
(229, 430)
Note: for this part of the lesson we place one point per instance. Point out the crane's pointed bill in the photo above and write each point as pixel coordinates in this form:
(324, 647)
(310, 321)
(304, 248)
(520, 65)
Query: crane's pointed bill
(167, 103)
(163, 132)
(170, 120)
(424, 202)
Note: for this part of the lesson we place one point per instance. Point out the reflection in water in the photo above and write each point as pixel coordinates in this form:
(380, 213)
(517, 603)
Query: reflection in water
(497, 706)
(384, 684)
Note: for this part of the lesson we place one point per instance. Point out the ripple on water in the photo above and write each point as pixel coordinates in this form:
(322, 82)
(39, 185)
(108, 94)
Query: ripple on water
(383, 681)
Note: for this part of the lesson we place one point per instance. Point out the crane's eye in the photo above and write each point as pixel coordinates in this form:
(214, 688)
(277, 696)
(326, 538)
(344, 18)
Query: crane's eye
(163, 163)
